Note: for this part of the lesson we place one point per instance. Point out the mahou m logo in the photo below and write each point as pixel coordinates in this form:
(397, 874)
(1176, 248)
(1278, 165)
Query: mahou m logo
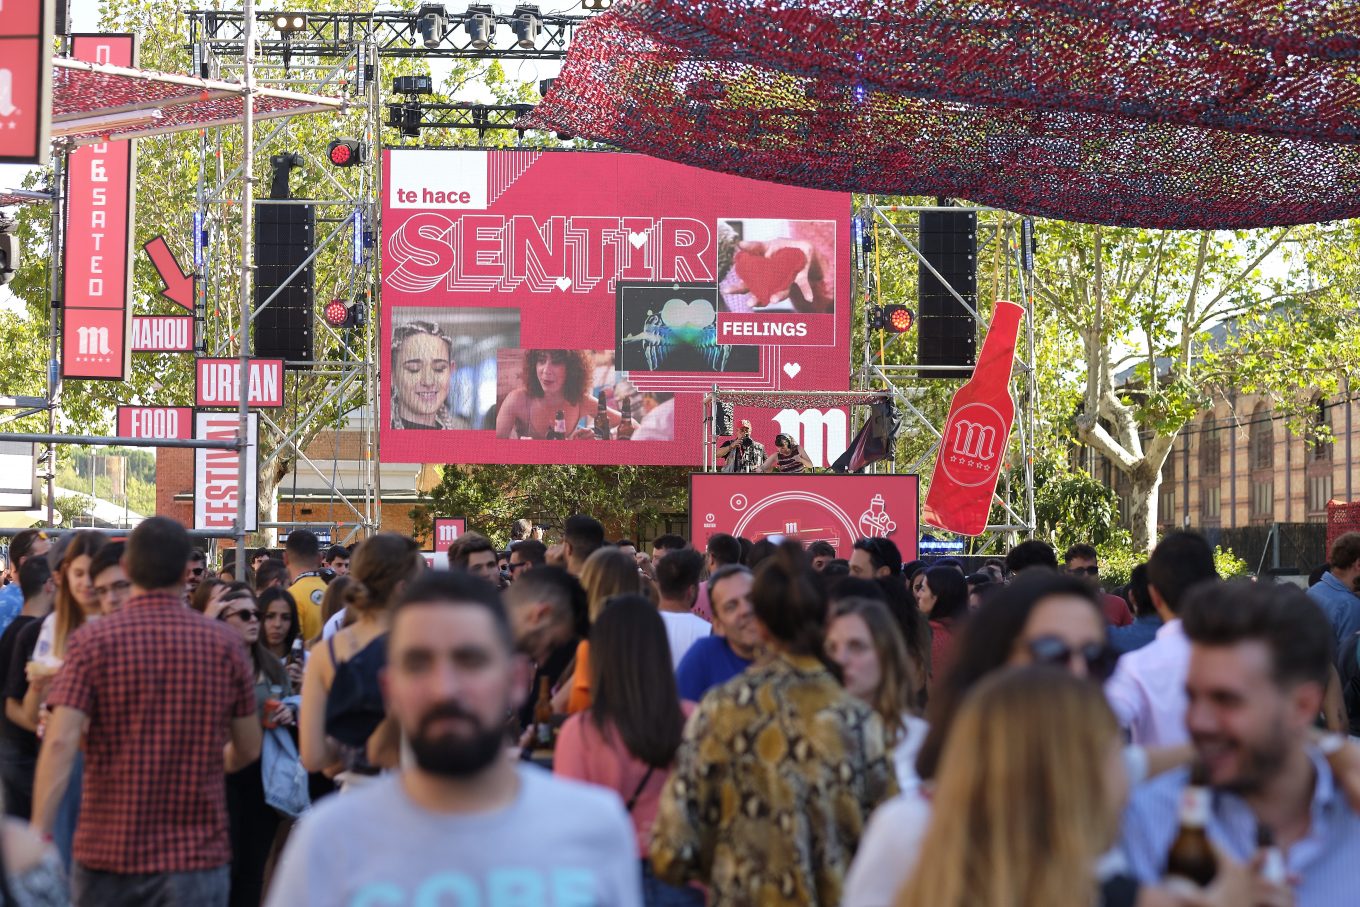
(972, 444)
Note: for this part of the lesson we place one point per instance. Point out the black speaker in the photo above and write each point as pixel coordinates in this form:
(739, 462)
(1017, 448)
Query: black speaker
(946, 331)
(284, 236)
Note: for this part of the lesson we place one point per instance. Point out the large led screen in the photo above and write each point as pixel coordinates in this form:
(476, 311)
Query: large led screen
(573, 307)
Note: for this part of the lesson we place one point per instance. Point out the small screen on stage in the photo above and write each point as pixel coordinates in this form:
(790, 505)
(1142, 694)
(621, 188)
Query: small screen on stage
(536, 302)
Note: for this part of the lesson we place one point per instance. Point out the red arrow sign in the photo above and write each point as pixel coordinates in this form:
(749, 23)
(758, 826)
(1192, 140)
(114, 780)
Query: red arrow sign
(179, 287)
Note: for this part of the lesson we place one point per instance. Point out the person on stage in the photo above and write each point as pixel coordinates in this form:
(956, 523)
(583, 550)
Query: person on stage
(787, 457)
(742, 453)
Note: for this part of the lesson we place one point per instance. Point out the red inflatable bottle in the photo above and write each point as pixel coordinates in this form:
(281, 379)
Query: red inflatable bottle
(974, 440)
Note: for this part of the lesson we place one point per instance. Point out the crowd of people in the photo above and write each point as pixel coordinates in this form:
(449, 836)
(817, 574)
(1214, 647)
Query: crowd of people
(592, 722)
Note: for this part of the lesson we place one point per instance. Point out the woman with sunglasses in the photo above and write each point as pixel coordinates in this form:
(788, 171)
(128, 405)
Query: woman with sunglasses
(1043, 618)
(254, 823)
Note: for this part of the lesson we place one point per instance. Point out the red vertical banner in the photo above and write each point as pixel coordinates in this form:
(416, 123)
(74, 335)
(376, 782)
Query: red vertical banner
(973, 443)
(25, 80)
(97, 270)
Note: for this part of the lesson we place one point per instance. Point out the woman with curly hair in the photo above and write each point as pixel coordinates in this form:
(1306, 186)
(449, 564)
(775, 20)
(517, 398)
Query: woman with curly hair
(422, 366)
(552, 381)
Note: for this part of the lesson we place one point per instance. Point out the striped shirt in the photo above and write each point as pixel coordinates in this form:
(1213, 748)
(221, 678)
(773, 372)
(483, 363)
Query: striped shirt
(1324, 862)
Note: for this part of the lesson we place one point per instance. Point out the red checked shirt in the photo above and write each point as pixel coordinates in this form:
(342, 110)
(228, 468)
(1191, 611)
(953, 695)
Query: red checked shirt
(160, 685)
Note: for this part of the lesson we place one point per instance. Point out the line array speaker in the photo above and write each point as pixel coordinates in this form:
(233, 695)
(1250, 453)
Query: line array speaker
(284, 236)
(946, 331)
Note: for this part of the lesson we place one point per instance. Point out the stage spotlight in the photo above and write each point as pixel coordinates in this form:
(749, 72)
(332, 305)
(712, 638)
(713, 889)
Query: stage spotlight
(358, 315)
(283, 165)
(480, 22)
(527, 24)
(337, 313)
(895, 319)
(409, 120)
(289, 23)
(433, 23)
(346, 152)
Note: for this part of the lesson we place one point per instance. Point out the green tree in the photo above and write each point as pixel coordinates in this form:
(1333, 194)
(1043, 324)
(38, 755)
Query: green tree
(1142, 304)
(490, 498)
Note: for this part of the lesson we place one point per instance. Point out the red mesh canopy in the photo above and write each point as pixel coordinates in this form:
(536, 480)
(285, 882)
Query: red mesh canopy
(1168, 113)
(82, 91)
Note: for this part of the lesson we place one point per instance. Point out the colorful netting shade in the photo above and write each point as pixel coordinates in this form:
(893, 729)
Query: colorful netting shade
(86, 93)
(1098, 138)
(1037, 54)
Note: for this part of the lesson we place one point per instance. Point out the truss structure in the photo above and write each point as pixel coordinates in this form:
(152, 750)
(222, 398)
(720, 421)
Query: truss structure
(338, 55)
(1002, 242)
(339, 62)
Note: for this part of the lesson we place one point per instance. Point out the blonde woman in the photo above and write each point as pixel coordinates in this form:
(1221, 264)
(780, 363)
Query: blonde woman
(1027, 801)
(606, 573)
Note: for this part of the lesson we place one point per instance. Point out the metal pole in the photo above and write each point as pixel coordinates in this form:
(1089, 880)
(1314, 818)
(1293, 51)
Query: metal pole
(55, 314)
(247, 266)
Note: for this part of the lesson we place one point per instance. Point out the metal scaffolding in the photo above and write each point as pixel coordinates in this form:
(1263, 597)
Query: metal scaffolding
(999, 241)
(337, 54)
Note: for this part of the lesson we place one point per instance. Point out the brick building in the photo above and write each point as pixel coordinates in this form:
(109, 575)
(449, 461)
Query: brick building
(1240, 475)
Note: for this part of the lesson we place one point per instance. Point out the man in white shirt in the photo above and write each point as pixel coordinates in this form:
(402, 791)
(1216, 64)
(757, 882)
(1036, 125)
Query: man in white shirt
(1147, 691)
(677, 579)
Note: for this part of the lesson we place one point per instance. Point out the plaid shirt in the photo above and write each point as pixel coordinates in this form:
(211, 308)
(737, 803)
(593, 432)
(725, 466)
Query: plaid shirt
(160, 685)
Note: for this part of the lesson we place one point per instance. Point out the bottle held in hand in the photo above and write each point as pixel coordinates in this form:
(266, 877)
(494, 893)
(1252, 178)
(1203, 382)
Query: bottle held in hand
(601, 418)
(625, 430)
(558, 432)
(543, 713)
(1190, 864)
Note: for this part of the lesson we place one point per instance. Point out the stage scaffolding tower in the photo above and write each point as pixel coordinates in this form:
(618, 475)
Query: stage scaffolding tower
(1005, 265)
(341, 55)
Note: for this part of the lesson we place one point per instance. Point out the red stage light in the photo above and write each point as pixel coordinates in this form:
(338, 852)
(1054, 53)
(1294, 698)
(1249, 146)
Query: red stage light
(345, 152)
(899, 319)
(336, 313)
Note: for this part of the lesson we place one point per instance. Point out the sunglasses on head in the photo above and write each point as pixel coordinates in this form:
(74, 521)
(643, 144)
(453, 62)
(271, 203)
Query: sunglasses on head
(1084, 571)
(1100, 658)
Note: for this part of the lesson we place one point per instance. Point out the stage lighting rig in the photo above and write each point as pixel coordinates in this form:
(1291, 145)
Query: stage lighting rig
(895, 319)
(433, 23)
(527, 24)
(480, 22)
(288, 24)
(545, 86)
(345, 152)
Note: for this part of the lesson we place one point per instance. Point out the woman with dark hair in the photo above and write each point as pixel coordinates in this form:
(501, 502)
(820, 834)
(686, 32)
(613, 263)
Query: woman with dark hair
(943, 599)
(553, 381)
(342, 702)
(279, 627)
(208, 593)
(780, 766)
(626, 740)
(253, 822)
(1042, 618)
(787, 458)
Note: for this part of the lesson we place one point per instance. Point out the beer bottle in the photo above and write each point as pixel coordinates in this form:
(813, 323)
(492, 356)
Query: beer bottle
(1273, 868)
(601, 418)
(558, 432)
(1190, 863)
(543, 713)
(625, 431)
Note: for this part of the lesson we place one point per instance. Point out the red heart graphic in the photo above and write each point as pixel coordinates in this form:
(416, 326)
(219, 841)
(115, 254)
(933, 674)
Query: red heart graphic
(765, 276)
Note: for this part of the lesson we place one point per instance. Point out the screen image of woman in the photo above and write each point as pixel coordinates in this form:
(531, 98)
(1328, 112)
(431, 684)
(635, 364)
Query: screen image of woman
(422, 365)
(553, 400)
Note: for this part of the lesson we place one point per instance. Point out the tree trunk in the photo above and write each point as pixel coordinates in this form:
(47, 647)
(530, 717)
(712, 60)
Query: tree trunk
(1143, 501)
(267, 505)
